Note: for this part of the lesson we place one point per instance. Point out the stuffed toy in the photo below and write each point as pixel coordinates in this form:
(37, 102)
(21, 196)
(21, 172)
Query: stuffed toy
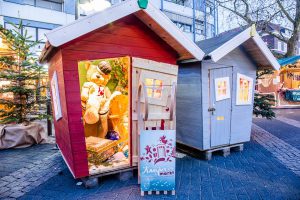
(96, 97)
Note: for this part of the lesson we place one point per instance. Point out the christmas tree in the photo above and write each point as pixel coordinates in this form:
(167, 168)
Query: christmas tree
(20, 74)
(262, 103)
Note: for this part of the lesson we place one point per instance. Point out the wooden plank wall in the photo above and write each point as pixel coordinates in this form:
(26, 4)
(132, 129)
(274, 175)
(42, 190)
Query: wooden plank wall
(61, 126)
(189, 105)
(126, 37)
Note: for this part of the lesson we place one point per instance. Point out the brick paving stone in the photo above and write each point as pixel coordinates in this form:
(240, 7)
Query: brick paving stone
(252, 174)
(17, 183)
(275, 145)
(289, 121)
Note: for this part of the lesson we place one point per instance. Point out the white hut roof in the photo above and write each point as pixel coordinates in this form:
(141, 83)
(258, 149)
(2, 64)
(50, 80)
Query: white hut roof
(218, 47)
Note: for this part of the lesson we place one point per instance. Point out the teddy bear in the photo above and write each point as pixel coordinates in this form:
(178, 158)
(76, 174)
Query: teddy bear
(95, 98)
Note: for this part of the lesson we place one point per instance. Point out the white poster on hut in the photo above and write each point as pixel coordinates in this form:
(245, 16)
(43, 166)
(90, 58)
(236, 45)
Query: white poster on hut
(55, 97)
(222, 88)
(244, 90)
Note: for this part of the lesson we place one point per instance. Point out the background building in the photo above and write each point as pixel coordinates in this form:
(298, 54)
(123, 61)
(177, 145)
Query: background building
(197, 18)
(276, 45)
(38, 16)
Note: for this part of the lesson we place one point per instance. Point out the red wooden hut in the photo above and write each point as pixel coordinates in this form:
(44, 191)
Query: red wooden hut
(128, 44)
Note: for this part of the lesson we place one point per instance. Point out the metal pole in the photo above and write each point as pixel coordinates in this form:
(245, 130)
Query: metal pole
(194, 24)
(49, 124)
(215, 20)
(162, 5)
(76, 9)
(205, 21)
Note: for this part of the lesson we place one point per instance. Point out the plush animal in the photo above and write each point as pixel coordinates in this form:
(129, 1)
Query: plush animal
(95, 97)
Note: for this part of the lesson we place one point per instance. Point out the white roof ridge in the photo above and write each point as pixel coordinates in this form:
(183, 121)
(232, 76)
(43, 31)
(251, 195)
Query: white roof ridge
(239, 39)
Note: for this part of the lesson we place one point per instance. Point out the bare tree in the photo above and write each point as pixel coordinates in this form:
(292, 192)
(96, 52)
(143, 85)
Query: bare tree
(263, 12)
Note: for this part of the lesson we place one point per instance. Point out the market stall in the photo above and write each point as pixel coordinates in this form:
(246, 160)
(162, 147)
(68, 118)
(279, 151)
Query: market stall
(217, 93)
(283, 84)
(96, 66)
(290, 78)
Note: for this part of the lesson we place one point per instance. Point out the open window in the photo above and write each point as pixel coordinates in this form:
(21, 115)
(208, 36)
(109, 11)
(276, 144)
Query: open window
(104, 89)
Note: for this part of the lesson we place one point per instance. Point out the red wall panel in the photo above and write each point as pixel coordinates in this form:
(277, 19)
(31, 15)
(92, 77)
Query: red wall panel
(61, 126)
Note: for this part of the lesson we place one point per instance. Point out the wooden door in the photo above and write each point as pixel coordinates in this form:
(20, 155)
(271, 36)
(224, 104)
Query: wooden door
(220, 83)
(157, 78)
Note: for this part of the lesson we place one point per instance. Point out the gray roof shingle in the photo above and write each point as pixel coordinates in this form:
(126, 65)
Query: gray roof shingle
(211, 44)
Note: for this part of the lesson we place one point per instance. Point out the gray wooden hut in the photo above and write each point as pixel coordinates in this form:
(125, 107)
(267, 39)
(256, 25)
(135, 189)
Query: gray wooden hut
(215, 95)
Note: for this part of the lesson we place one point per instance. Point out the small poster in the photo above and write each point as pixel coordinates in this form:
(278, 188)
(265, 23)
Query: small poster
(55, 97)
(222, 88)
(244, 90)
(157, 160)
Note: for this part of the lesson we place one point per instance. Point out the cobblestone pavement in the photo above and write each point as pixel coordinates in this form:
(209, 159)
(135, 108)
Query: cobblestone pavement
(289, 113)
(289, 121)
(287, 154)
(34, 173)
(284, 131)
(264, 170)
(13, 160)
(252, 174)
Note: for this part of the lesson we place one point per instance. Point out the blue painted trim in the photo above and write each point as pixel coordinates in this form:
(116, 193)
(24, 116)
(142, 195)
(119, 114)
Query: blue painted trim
(162, 5)
(31, 23)
(290, 60)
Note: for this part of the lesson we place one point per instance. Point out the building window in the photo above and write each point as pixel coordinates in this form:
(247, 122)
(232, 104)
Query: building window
(285, 47)
(35, 33)
(184, 27)
(209, 10)
(30, 33)
(29, 2)
(41, 34)
(52, 5)
(182, 3)
(9, 26)
(48, 4)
